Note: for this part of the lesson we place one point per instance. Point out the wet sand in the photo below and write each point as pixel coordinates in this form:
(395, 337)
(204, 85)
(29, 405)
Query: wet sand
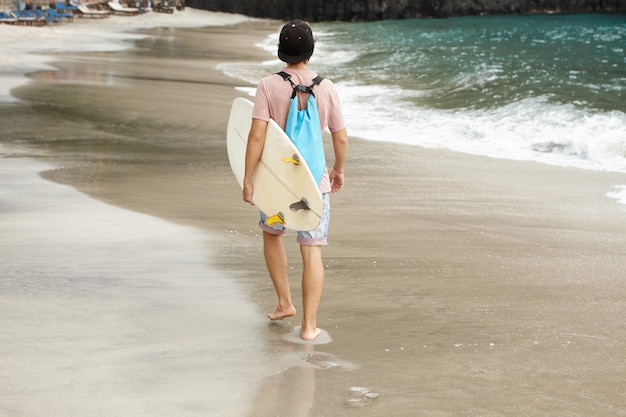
(456, 285)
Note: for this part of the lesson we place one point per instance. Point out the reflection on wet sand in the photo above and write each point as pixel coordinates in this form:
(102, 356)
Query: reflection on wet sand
(291, 391)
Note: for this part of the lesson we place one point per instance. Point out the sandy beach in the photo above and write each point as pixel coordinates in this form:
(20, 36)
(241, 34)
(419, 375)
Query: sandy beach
(133, 281)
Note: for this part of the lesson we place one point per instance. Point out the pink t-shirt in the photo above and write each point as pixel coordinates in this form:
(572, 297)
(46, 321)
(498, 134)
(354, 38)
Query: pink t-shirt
(272, 101)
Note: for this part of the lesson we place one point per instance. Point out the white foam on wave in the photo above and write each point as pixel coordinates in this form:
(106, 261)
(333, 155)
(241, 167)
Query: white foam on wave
(531, 129)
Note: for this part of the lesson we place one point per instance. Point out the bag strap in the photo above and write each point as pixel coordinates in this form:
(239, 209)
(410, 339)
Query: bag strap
(301, 88)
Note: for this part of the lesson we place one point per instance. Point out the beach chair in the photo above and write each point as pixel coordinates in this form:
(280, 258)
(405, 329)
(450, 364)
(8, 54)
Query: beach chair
(118, 9)
(50, 20)
(64, 8)
(91, 13)
(64, 17)
(7, 19)
(27, 18)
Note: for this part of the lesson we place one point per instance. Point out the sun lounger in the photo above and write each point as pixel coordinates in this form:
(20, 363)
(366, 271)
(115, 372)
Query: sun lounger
(7, 18)
(27, 18)
(121, 10)
(94, 14)
(60, 15)
(49, 19)
(62, 7)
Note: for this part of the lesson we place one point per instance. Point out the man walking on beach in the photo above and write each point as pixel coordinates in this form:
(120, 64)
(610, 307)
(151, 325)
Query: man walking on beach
(273, 95)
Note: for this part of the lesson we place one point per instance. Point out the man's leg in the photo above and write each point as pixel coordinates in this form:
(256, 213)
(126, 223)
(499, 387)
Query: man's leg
(312, 286)
(278, 267)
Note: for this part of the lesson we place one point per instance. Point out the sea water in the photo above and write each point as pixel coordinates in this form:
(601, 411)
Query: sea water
(547, 88)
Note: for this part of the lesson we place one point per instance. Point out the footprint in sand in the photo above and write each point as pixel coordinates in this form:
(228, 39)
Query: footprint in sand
(314, 358)
(294, 337)
(361, 397)
(327, 361)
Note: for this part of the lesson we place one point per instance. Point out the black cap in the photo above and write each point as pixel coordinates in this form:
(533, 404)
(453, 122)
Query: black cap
(296, 42)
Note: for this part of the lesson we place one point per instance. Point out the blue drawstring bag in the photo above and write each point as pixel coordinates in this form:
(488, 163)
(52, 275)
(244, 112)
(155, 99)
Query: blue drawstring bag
(303, 128)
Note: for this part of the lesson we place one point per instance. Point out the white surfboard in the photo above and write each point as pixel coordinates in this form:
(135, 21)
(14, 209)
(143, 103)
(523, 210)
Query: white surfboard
(284, 187)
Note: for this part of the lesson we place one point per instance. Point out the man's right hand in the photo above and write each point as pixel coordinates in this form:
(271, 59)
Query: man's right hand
(248, 191)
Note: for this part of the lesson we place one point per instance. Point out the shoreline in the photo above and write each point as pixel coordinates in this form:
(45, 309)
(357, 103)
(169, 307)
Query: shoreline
(88, 35)
(481, 282)
(106, 311)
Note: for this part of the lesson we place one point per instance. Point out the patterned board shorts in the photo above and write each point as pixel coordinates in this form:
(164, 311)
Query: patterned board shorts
(317, 237)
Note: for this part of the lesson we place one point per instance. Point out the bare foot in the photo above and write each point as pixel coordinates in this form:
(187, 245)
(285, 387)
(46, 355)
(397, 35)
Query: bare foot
(310, 334)
(280, 313)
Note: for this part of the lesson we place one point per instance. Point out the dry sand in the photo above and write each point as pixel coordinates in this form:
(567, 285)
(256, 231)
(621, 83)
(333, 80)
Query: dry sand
(456, 285)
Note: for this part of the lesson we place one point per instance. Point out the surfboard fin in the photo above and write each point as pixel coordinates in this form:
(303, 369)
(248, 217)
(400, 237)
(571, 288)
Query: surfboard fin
(300, 205)
(295, 159)
(276, 218)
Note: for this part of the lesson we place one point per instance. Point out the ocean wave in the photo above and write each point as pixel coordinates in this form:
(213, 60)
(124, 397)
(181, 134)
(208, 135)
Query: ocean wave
(539, 89)
(533, 129)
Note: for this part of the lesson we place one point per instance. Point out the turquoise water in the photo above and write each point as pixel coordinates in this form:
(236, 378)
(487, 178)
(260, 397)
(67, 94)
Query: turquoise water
(547, 88)
(489, 62)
